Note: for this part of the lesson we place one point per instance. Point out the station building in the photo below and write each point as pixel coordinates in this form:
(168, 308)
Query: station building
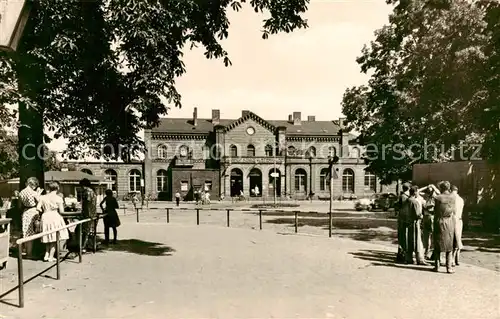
(249, 155)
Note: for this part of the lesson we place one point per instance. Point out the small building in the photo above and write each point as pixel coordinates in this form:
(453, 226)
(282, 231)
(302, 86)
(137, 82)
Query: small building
(69, 181)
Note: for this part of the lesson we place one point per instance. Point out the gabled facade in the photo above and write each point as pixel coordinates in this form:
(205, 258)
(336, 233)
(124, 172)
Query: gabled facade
(255, 157)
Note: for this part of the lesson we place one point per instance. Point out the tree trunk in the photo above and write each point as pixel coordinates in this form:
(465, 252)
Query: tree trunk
(31, 153)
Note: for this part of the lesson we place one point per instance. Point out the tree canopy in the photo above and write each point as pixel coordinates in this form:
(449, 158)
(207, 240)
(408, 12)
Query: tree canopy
(97, 72)
(433, 75)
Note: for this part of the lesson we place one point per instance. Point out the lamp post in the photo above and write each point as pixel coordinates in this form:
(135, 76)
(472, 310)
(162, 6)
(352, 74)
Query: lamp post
(332, 159)
(310, 176)
(13, 18)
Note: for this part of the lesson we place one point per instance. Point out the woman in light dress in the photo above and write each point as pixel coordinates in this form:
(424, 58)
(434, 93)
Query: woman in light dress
(51, 207)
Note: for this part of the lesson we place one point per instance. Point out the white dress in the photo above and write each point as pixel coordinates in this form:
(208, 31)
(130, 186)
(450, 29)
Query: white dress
(459, 208)
(51, 219)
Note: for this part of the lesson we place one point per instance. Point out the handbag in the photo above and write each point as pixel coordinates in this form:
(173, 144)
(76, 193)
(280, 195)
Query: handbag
(37, 224)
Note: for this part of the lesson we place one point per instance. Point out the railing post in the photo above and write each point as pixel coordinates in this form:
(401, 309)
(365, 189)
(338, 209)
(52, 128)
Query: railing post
(20, 276)
(168, 215)
(137, 214)
(260, 219)
(330, 224)
(94, 225)
(296, 222)
(124, 210)
(80, 242)
(197, 216)
(228, 217)
(58, 264)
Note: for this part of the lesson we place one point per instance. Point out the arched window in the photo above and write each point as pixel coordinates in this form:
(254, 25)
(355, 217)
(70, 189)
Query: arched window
(87, 171)
(185, 152)
(354, 152)
(233, 151)
(161, 181)
(110, 176)
(311, 152)
(134, 181)
(300, 181)
(162, 151)
(269, 150)
(370, 181)
(324, 179)
(250, 150)
(291, 150)
(332, 151)
(348, 181)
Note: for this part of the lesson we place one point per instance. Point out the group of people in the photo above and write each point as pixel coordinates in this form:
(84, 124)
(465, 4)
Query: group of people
(42, 210)
(201, 196)
(430, 223)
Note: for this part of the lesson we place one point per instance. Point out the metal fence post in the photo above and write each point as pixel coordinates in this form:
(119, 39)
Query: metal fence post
(197, 216)
(124, 210)
(330, 224)
(260, 219)
(137, 214)
(58, 264)
(94, 226)
(20, 276)
(168, 215)
(80, 243)
(296, 221)
(228, 217)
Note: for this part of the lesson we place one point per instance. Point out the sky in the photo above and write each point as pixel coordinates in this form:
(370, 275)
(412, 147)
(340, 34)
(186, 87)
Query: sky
(305, 71)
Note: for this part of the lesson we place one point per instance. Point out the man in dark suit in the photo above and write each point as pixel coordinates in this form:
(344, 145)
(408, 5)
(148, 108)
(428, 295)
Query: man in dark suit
(403, 223)
(444, 225)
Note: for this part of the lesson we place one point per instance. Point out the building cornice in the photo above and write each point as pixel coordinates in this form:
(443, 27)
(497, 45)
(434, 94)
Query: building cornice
(331, 138)
(179, 136)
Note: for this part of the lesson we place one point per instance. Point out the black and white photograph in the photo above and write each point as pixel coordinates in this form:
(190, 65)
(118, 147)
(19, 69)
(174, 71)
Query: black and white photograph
(209, 159)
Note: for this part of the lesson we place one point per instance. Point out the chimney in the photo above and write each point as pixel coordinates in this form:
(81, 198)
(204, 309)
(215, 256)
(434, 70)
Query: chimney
(215, 117)
(245, 113)
(296, 118)
(311, 118)
(342, 122)
(195, 116)
(290, 118)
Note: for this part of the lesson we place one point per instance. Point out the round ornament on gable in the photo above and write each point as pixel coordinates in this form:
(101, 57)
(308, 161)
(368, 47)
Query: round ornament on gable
(250, 130)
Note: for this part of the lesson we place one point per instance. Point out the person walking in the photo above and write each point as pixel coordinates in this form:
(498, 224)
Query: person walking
(444, 226)
(403, 223)
(177, 198)
(51, 207)
(459, 208)
(414, 232)
(29, 198)
(109, 205)
(89, 210)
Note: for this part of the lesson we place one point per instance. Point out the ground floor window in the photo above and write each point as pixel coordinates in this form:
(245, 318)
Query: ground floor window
(348, 181)
(208, 186)
(184, 186)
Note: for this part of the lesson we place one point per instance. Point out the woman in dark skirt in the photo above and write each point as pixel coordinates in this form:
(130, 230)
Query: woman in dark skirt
(111, 219)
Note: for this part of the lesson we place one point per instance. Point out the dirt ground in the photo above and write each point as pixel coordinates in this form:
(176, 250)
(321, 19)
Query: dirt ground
(480, 249)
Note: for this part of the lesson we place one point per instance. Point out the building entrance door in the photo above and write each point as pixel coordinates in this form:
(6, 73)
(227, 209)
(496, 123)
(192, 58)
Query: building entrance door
(236, 182)
(255, 177)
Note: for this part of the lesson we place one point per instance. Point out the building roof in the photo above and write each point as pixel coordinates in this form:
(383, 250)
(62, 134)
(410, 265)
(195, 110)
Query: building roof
(67, 176)
(205, 126)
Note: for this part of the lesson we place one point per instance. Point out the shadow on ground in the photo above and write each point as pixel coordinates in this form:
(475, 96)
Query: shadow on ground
(481, 241)
(385, 259)
(361, 229)
(140, 247)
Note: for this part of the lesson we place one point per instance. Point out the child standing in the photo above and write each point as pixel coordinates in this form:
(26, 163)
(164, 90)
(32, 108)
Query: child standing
(111, 220)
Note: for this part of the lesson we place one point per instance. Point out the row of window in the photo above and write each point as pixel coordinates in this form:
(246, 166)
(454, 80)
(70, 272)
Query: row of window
(300, 178)
(250, 151)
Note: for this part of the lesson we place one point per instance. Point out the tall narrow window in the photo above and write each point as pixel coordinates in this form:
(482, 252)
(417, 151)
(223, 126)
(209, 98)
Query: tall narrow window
(250, 150)
(161, 181)
(370, 181)
(233, 151)
(324, 180)
(162, 151)
(110, 177)
(269, 150)
(134, 180)
(300, 181)
(348, 181)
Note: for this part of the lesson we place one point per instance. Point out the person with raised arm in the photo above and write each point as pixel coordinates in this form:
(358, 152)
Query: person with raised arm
(444, 226)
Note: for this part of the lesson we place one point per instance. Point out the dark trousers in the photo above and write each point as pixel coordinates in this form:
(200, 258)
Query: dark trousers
(402, 240)
(177, 200)
(106, 233)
